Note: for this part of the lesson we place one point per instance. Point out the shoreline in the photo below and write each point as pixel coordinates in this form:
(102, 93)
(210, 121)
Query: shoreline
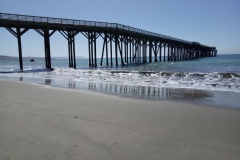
(215, 98)
(42, 122)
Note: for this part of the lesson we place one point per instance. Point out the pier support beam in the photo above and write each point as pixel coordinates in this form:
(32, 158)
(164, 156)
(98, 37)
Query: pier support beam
(111, 39)
(160, 53)
(18, 33)
(144, 51)
(126, 49)
(150, 51)
(138, 51)
(155, 51)
(103, 48)
(120, 47)
(164, 58)
(46, 35)
(70, 37)
(170, 52)
(107, 38)
(215, 53)
(92, 47)
(116, 49)
(133, 49)
(47, 48)
(130, 49)
(19, 48)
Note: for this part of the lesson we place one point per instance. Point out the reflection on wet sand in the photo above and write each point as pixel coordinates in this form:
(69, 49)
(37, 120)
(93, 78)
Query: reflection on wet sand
(150, 92)
(210, 97)
(137, 91)
(71, 84)
(47, 81)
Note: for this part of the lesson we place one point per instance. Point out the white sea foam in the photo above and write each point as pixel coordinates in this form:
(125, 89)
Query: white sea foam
(209, 81)
(204, 74)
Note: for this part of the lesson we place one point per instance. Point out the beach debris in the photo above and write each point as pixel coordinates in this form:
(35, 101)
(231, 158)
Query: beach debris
(32, 60)
(75, 116)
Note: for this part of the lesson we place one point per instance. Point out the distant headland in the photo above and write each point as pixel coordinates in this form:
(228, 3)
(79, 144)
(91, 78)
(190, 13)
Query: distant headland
(4, 57)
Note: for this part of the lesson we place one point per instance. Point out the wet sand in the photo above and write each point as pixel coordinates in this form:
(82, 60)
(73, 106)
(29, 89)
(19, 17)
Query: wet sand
(41, 122)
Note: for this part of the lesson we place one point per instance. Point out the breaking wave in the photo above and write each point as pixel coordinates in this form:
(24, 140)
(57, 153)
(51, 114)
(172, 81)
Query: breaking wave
(206, 81)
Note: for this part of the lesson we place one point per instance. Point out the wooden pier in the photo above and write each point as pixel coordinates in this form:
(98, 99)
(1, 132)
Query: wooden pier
(132, 45)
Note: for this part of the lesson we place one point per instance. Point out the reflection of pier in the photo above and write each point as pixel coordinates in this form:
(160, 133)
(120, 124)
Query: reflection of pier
(150, 92)
(71, 84)
(48, 81)
(132, 45)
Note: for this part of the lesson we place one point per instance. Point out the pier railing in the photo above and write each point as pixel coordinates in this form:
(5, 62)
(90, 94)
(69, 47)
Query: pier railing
(50, 20)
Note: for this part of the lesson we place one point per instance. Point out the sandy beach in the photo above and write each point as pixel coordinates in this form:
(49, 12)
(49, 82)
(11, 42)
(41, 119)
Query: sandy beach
(41, 122)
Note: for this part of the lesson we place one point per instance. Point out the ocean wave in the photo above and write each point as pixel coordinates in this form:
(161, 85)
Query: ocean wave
(194, 80)
(180, 74)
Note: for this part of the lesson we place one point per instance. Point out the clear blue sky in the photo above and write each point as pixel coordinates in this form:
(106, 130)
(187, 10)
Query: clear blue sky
(210, 22)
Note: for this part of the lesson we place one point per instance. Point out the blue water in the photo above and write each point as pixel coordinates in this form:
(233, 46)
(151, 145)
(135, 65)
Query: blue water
(220, 74)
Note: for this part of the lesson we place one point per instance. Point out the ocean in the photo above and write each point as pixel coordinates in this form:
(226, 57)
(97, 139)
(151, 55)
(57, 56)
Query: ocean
(212, 81)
